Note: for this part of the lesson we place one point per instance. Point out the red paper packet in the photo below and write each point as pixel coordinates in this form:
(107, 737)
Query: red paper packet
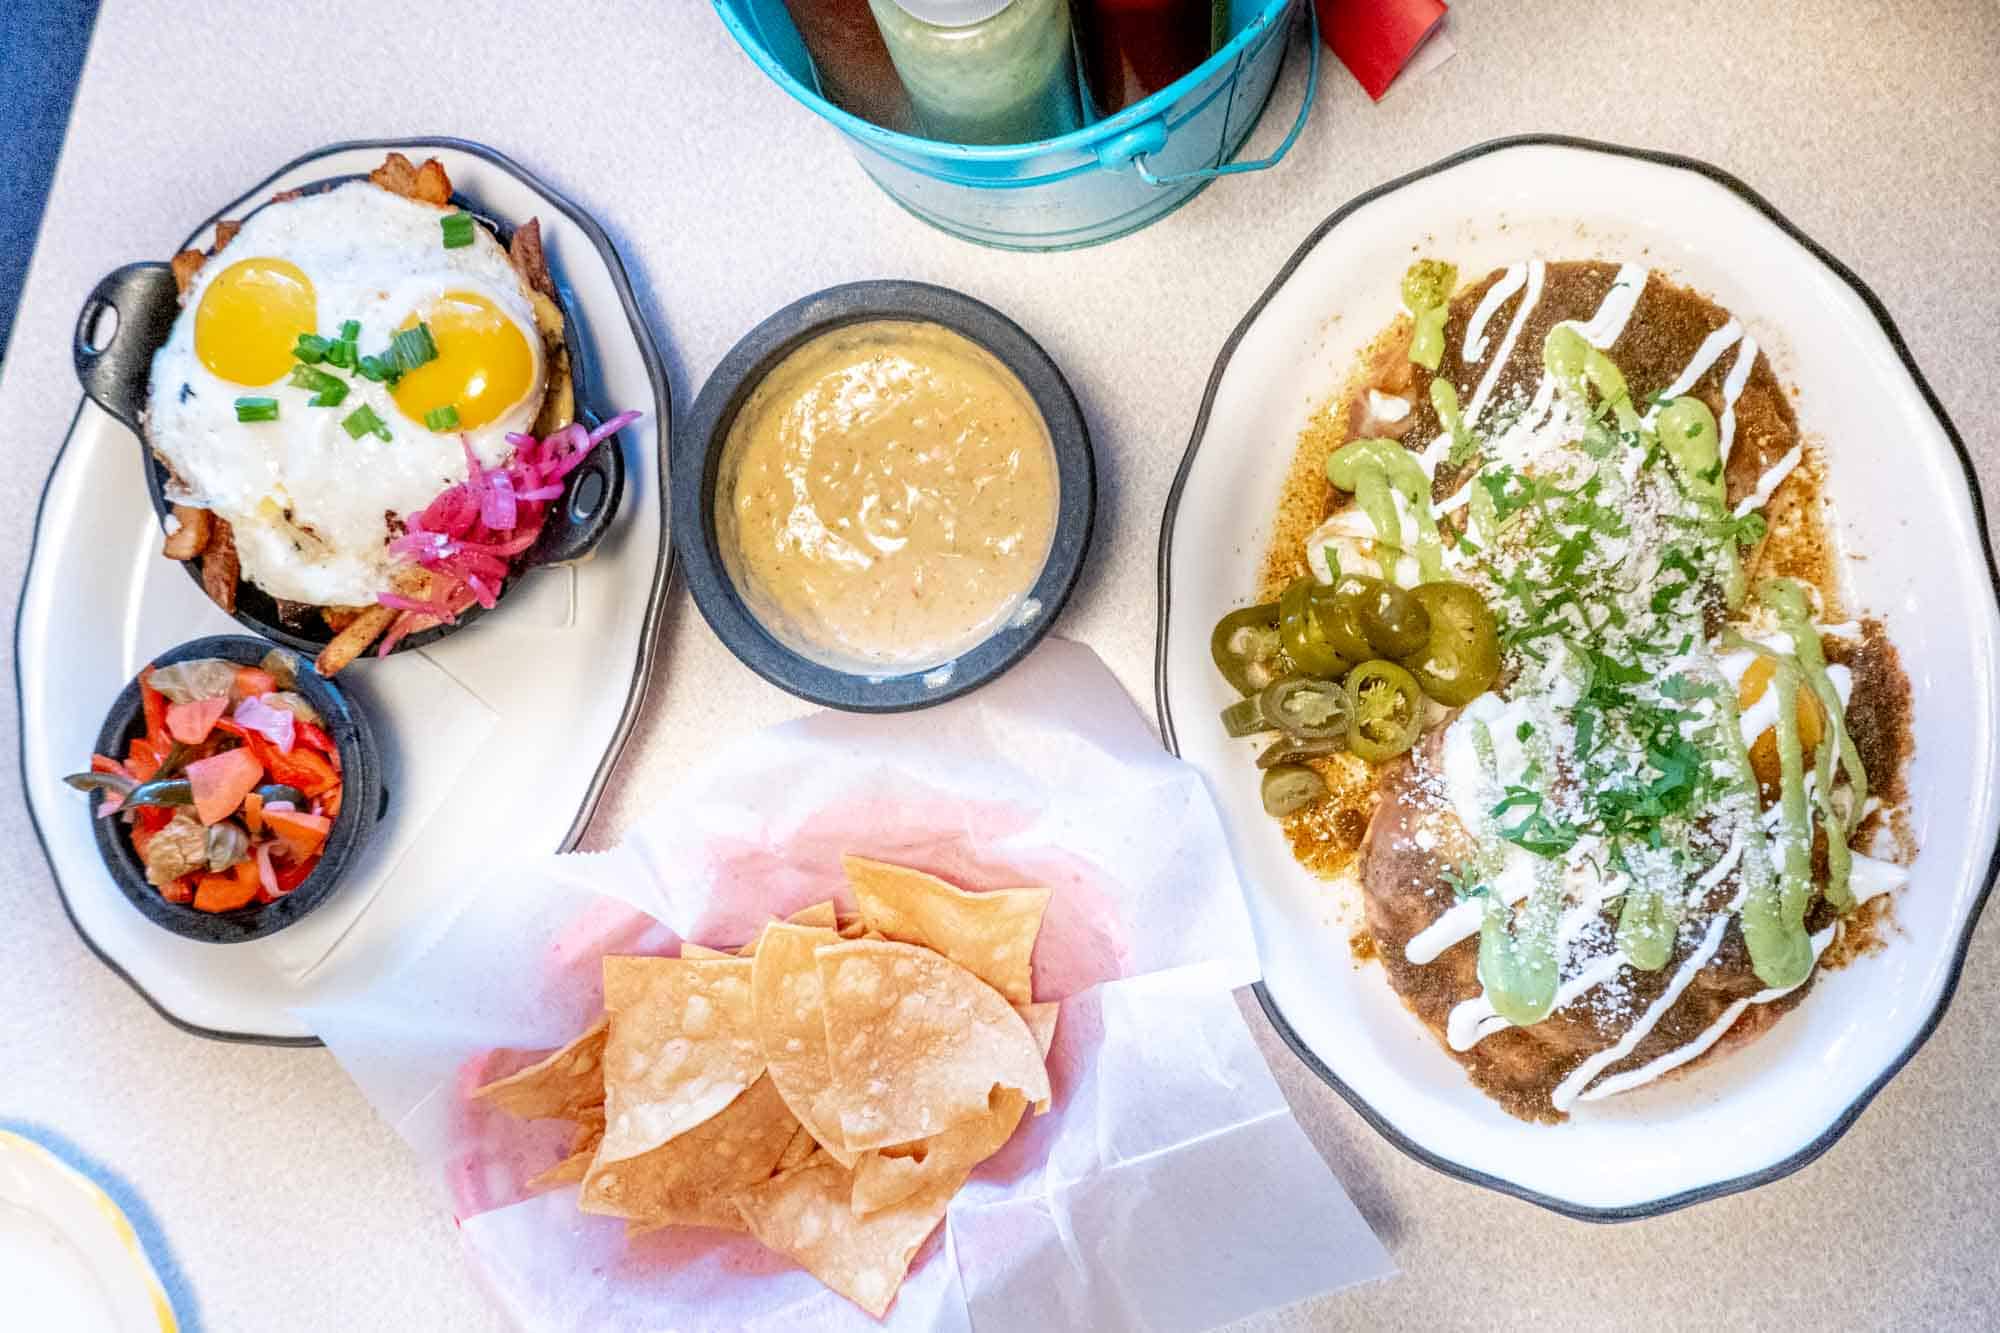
(1376, 38)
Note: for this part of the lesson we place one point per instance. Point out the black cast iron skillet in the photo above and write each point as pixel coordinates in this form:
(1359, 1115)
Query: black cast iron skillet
(363, 801)
(144, 301)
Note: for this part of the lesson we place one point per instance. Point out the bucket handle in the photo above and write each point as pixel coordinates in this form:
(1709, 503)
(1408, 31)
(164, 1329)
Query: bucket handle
(1151, 143)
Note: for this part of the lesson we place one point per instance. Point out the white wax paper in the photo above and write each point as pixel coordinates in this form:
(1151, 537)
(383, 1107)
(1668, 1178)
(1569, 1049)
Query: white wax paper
(1169, 1188)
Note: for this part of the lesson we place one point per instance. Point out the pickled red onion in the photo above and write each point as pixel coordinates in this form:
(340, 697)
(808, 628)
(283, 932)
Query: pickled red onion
(468, 536)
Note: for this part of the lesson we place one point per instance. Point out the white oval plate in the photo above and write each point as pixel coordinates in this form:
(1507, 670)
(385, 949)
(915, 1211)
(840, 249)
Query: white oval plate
(1904, 497)
(496, 740)
(69, 1258)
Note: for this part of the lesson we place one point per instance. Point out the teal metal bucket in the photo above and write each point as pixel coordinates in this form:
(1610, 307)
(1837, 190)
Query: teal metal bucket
(1083, 188)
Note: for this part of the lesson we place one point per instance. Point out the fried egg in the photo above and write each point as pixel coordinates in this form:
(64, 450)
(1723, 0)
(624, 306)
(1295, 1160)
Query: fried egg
(313, 505)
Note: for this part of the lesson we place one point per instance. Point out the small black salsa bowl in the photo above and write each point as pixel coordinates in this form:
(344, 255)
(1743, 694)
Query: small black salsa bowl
(362, 802)
(697, 455)
(144, 300)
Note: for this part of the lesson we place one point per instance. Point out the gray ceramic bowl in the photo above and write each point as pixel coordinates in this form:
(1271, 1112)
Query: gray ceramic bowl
(696, 460)
(363, 801)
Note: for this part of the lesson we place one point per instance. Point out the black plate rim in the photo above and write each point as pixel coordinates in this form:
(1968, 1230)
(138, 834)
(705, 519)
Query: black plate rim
(697, 448)
(649, 632)
(1376, 1120)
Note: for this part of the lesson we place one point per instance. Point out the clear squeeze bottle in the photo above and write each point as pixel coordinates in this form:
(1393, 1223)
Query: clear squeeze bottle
(984, 71)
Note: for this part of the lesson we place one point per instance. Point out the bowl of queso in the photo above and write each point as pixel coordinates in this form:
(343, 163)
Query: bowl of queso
(883, 496)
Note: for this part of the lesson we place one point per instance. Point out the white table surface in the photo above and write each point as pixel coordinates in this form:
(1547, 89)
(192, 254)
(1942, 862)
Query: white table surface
(272, 1196)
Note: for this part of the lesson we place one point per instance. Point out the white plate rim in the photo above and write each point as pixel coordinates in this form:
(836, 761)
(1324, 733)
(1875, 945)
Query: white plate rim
(1381, 1123)
(649, 633)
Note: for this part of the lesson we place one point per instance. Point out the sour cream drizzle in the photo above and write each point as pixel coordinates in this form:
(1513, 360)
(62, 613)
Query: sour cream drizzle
(1473, 350)
(1535, 273)
(1580, 1078)
(1732, 389)
(1616, 309)
(1715, 1031)
(1768, 484)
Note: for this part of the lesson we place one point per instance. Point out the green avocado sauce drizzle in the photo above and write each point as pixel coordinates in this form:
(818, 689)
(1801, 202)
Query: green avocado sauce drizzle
(1774, 918)
(1518, 957)
(1374, 472)
(1427, 288)
(1519, 952)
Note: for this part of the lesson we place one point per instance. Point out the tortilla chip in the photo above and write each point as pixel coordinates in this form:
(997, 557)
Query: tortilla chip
(802, 1146)
(582, 1148)
(805, 1214)
(819, 914)
(890, 1175)
(689, 949)
(563, 1085)
(681, 1048)
(785, 1006)
(1041, 1021)
(992, 935)
(915, 1042)
(689, 1180)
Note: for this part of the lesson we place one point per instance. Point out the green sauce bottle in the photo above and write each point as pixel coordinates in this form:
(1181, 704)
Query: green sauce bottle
(984, 71)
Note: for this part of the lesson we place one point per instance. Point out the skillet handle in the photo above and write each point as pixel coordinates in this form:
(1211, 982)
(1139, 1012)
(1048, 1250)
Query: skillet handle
(589, 502)
(144, 300)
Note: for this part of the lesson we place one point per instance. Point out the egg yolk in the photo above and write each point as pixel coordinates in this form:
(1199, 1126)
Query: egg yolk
(1764, 750)
(484, 364)
(250, 317)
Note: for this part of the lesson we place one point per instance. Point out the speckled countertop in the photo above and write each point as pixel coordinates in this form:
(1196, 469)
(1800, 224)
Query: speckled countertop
(270, 1192)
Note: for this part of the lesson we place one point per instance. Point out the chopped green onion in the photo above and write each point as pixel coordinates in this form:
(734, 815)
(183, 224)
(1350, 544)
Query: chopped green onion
(350, 330)
(256, 409)
(311, 348)
(441, 418)
(341, 355)
(411, 348)
(327, 390)
(363, 421)
(457, 230)
(375, 368)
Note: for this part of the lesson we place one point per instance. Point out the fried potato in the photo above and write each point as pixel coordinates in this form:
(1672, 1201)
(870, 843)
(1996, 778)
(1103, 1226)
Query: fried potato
(185, 265)
(353, 641)
(190, 535)
(338, 618)
(428, 184)
(530, 260)
(219, 565)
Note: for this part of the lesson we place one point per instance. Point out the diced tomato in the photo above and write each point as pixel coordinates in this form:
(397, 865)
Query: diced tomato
(329, 804)
(253, 812)
(180, 891)
(317, 738)
(232, 727)
(142, 760)
(191, 723)
(253, 681)
(153, 818)
(227, 892)
(221, 781)
(104, 763)
(302, 834)
(293, 873)
(303, 768)
(155, 705)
